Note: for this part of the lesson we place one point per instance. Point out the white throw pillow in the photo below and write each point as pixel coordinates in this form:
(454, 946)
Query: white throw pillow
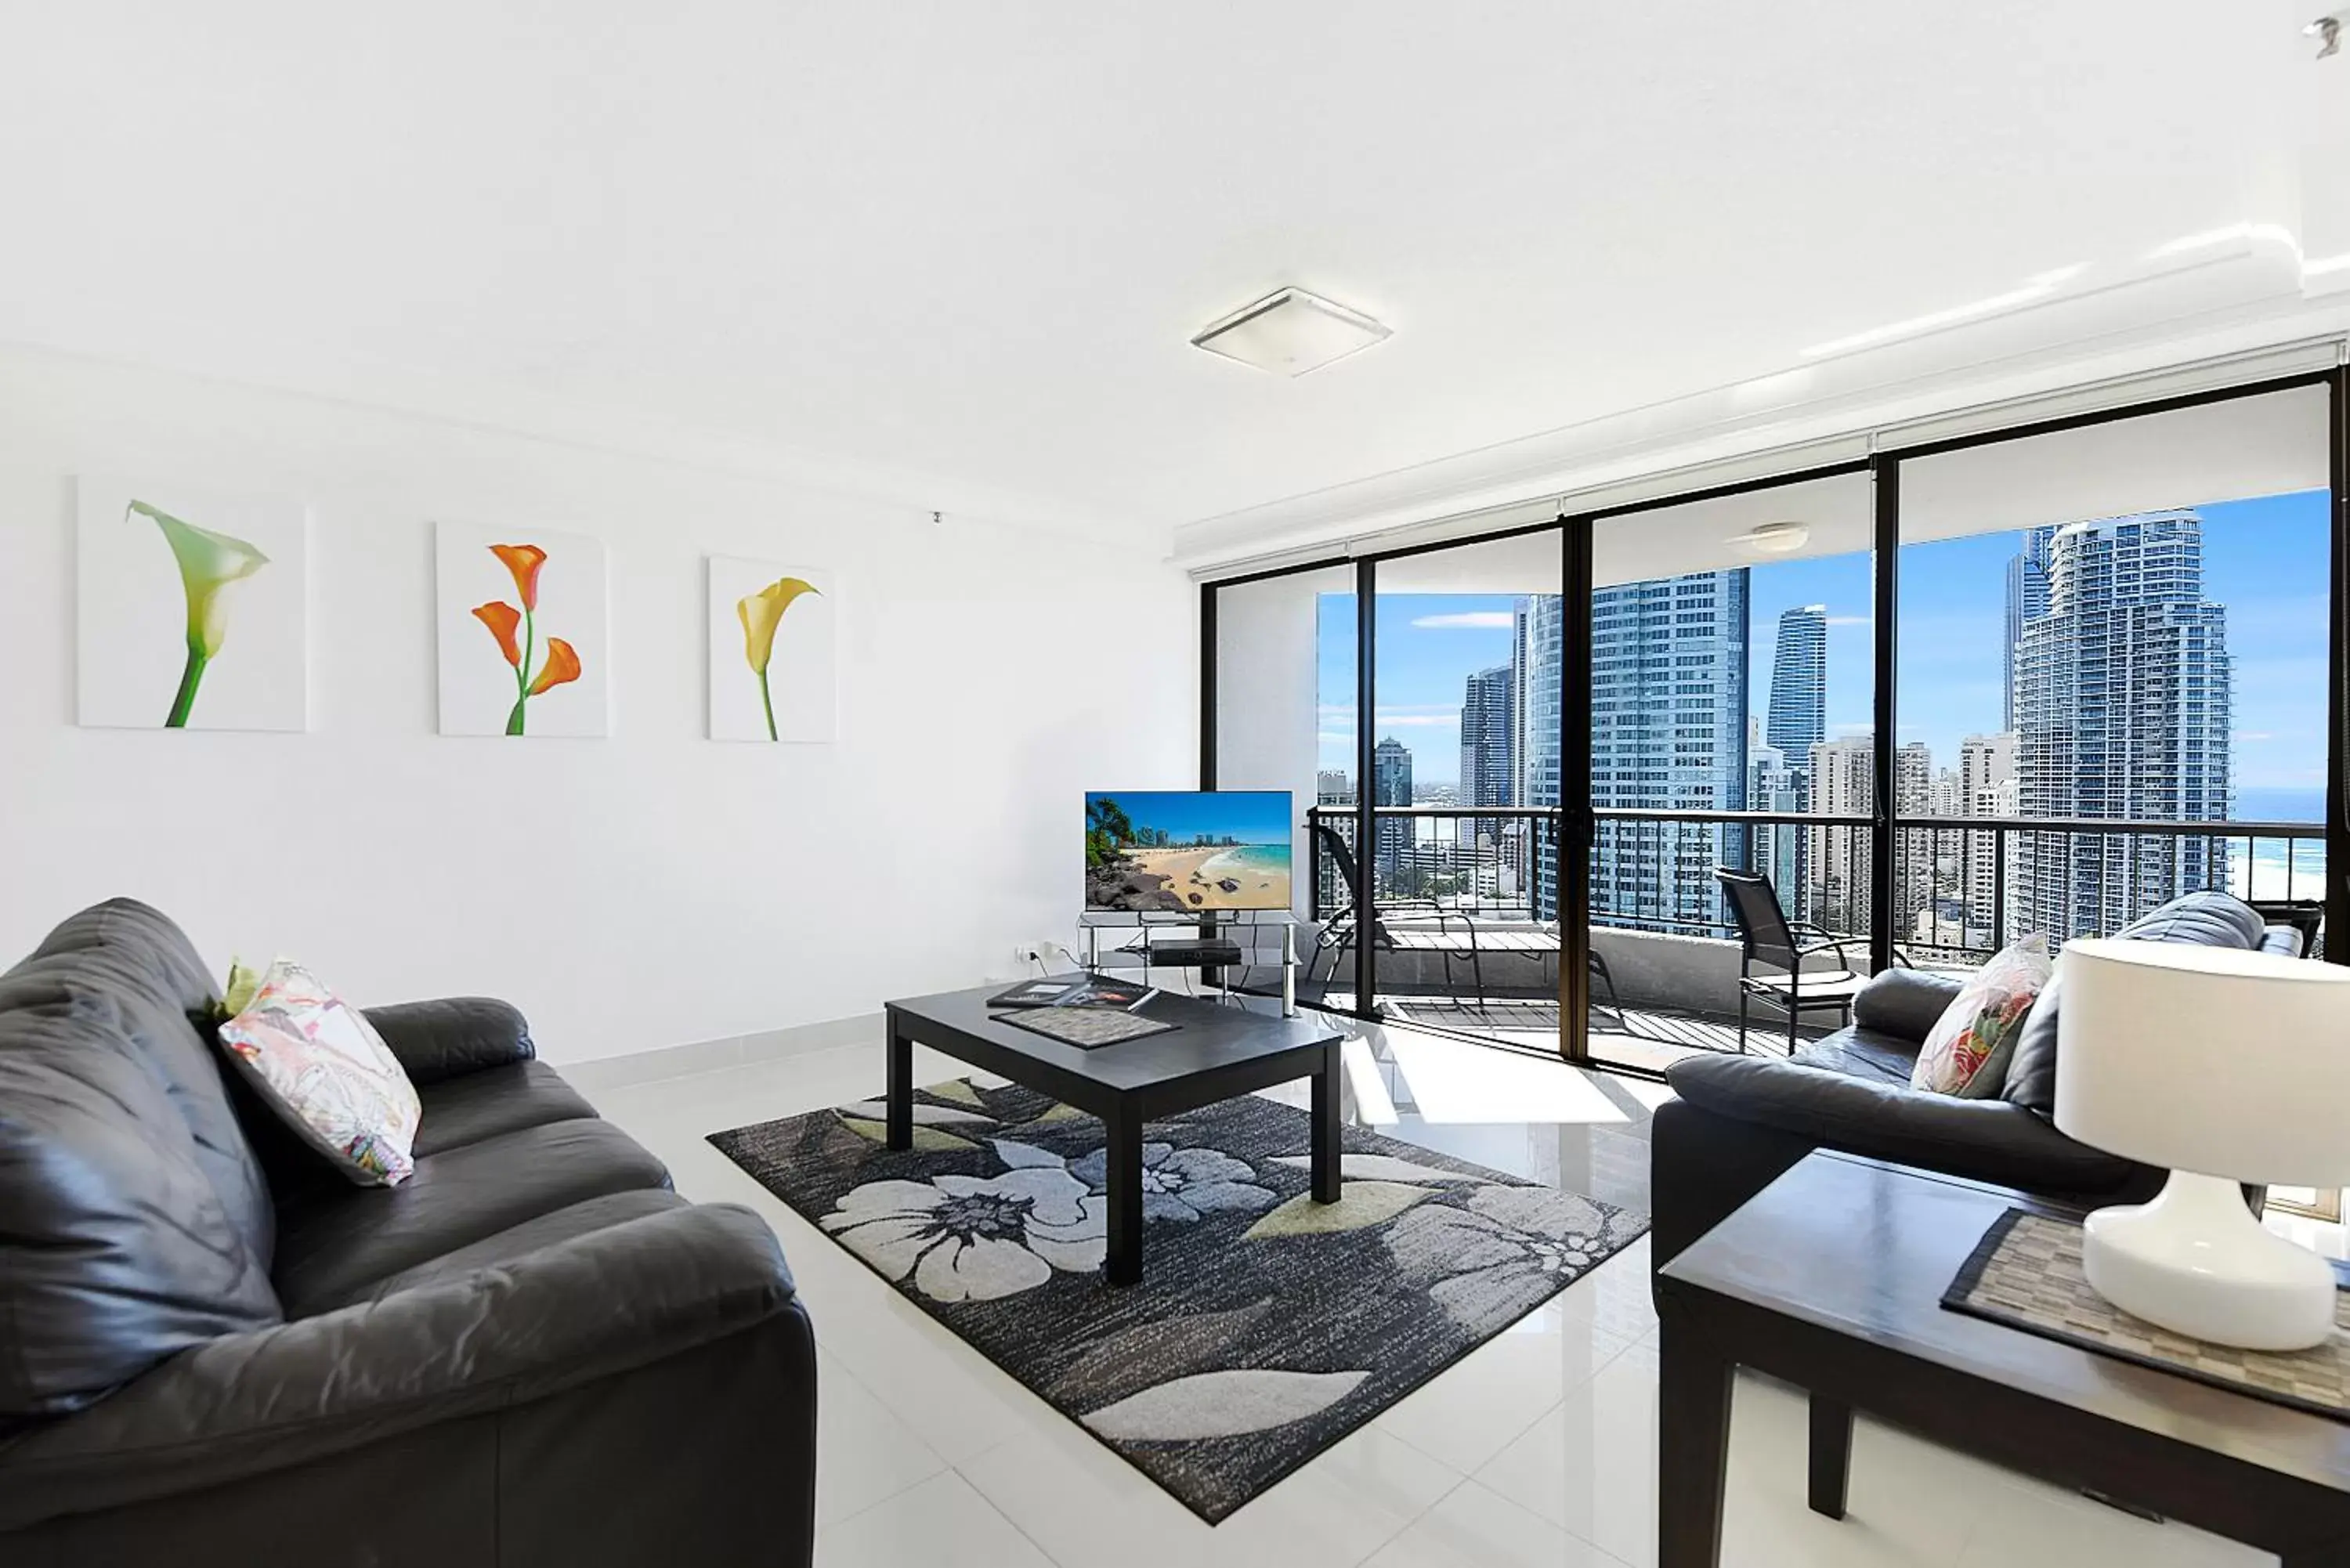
(323, 1067)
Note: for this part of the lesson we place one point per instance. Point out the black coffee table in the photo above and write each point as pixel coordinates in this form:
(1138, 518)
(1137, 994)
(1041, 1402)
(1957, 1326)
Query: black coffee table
(1215, 1053)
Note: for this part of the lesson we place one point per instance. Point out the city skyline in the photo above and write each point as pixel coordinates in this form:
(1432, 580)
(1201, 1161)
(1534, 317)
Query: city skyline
(1954, 680)
(2124, 704)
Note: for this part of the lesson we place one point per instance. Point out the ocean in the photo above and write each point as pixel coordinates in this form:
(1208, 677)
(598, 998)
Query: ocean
(1264, 858)
(2294, 805)
(2277, 867)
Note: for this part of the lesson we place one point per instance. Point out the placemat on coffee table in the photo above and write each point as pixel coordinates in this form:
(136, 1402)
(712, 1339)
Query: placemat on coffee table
(2026, 1274)
(1085, 1026)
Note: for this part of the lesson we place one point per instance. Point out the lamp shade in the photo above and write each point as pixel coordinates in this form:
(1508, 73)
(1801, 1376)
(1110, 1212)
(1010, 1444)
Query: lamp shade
(2211, 1060)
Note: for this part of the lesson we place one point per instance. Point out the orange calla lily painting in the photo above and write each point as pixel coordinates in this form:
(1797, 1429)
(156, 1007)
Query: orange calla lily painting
(772, 654)
(526, 660)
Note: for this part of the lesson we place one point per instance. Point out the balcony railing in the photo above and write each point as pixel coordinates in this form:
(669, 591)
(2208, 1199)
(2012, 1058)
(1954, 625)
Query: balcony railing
(1962, 887)
(1475, 860)
(1966, 886)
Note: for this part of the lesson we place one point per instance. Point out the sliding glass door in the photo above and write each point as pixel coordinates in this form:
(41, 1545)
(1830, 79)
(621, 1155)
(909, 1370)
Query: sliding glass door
(1462, 759)
(1563, 784)
(1731, 702)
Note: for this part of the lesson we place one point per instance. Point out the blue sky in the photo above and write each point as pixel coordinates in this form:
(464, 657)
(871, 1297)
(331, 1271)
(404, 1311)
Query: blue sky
(2264, 559)
(1251, 817)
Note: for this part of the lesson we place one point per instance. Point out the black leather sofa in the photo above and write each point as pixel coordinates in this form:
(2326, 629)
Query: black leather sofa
(213, 1350)
(1739, 1122)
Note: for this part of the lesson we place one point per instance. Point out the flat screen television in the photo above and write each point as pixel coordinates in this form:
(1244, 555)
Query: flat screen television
(1177, 851)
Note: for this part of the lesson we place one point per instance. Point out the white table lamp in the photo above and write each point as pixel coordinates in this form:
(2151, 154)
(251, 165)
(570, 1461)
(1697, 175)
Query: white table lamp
(2226, 1067)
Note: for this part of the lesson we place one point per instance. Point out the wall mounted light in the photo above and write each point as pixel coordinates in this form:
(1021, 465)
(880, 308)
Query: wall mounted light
(1774, 538)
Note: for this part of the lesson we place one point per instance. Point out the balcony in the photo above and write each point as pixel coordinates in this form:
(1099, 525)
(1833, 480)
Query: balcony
(1468, 941)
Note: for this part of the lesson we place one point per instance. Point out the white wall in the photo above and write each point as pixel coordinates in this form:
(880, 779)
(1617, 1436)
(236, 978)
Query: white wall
(652, 889)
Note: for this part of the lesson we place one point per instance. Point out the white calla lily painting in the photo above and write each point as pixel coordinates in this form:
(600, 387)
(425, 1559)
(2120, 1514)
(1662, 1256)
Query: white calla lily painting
(192, 608)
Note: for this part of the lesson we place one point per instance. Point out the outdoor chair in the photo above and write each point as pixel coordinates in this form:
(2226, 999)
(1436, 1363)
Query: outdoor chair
(1767, 937)
(1456, 936)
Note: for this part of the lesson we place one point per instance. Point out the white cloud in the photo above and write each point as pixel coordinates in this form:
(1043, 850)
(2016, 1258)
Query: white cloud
(1849, 620)
(1466, 620)
(1402, 713)
(2254, 735)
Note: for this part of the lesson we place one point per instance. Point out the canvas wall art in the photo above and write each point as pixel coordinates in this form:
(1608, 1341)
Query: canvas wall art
(774, 662)
(524, 631)
(192, 608)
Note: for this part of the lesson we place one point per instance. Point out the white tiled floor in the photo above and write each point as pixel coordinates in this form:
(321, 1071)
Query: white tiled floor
(1538, 1450)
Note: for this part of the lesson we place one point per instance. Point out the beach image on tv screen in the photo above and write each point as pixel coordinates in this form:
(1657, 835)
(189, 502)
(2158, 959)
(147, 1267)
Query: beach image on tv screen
(1175, 850)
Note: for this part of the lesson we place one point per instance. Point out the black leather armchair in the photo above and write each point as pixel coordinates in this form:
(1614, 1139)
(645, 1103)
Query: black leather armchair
(531, 1352)
(1738, 1122)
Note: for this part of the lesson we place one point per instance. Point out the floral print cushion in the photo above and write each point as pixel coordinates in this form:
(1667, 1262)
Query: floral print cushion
(322, 1067)
(1987, 1013)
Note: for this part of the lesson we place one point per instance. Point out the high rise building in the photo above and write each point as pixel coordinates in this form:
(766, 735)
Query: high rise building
(1798, 721)
(2027, 601)
(1843, 784)
(2123, 703)
(1538, 663)
(1987, 888)
(1332, 786)
(1799, 682)
(1668, 721)
(1391, 785)
(1984, 761)
(1772, 785)
(1913, 779)
(1949, 795)
(1987, 788)
(1917, 880)
(1521, 696)
(1488, 735)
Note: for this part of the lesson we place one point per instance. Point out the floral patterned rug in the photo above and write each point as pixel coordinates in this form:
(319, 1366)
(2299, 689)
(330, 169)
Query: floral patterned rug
(1267, 1326)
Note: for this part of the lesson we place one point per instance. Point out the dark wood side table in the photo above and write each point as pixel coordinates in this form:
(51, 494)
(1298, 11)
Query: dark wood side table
(1832, 1278)
(1214, 1052)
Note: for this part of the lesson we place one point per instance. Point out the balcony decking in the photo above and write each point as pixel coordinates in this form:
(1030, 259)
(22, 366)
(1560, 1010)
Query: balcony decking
(1649, 1038)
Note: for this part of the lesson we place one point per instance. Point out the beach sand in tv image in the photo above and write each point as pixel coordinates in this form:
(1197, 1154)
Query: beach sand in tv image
(1175, 850)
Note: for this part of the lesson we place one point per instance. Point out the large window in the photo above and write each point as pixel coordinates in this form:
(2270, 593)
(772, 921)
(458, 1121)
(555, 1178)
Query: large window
(2126, 622)
(1962, 691)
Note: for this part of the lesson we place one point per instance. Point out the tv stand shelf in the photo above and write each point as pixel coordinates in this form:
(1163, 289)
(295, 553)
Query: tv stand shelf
(1250, 938)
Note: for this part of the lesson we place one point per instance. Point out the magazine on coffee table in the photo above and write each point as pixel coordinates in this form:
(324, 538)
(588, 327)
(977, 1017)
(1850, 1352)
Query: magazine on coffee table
(1074, 991)
(1084, 1011)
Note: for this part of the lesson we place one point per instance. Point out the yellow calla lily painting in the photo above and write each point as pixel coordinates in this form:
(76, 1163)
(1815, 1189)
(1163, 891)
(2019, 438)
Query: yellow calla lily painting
(193, 613)
(772, 662)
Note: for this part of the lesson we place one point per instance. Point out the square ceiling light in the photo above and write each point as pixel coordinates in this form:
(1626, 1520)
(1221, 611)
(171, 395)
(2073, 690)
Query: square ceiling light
(1290, 333)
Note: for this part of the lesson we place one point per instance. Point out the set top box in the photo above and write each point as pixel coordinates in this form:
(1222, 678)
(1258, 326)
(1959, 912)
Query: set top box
(1186, 851)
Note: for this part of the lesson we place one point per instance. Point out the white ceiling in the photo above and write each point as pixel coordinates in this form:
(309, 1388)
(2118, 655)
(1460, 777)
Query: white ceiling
(952, 251)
